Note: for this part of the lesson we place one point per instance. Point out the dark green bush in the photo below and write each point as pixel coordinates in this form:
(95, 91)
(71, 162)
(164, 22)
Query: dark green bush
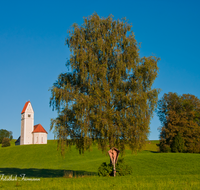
(178, 144)
(193, 147)
(164, 147)
(121, 169)
(5, 133)
(105, 169)
(5, 142)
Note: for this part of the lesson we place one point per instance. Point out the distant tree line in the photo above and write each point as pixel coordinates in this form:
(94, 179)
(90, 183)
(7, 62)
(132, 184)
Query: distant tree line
(5, 133)
(5, 137)
(180, 118)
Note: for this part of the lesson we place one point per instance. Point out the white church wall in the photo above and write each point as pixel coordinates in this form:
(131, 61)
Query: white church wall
(40, 138)
(44, 136)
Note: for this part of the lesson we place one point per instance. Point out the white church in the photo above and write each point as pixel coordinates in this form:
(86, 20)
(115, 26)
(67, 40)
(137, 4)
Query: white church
(30, 133)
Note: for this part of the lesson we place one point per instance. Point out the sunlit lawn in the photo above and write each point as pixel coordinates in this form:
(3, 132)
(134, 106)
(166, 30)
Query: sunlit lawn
(151, 170)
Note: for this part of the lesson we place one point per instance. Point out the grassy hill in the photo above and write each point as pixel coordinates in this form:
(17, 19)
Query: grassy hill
(151, 170)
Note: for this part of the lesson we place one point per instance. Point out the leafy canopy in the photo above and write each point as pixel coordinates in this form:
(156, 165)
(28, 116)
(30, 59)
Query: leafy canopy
(5, 133)
(180, 115)
(108, 94)
(5, 142)
(178, 143)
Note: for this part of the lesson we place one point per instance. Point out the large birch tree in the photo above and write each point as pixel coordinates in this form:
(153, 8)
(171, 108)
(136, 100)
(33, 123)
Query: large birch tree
(107, 96)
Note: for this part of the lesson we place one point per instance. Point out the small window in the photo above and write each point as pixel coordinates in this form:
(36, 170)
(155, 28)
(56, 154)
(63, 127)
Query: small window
(29, 115)
(42, 140)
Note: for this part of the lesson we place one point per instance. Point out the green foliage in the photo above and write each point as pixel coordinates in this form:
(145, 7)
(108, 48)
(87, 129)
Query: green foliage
(5, 133)
(121, 169)
(179, 114)
(178, 144)
(108, 93)
(105, 169)
(164, 147)
(5, 142)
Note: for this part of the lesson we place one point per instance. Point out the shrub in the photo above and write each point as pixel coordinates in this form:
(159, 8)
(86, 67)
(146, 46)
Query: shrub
(121, 169)
(193, 147)
(163, 147)
(5, 133)
(5, 142)
(105, 169)
(178, 144)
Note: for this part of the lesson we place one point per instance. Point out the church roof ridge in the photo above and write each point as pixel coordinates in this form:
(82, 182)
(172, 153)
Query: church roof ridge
(25, 106)
(39, 129)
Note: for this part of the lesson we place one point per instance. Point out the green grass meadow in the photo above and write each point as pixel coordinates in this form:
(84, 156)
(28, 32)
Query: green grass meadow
(45, 168)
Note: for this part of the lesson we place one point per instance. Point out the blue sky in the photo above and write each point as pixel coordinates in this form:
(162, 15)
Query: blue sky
(33, 54)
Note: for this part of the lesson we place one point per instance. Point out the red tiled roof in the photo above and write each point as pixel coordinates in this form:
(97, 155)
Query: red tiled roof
(25, 106)
(39, 129)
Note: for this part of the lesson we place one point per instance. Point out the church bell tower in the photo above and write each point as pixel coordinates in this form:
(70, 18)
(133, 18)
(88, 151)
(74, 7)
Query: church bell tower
(27, 123)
